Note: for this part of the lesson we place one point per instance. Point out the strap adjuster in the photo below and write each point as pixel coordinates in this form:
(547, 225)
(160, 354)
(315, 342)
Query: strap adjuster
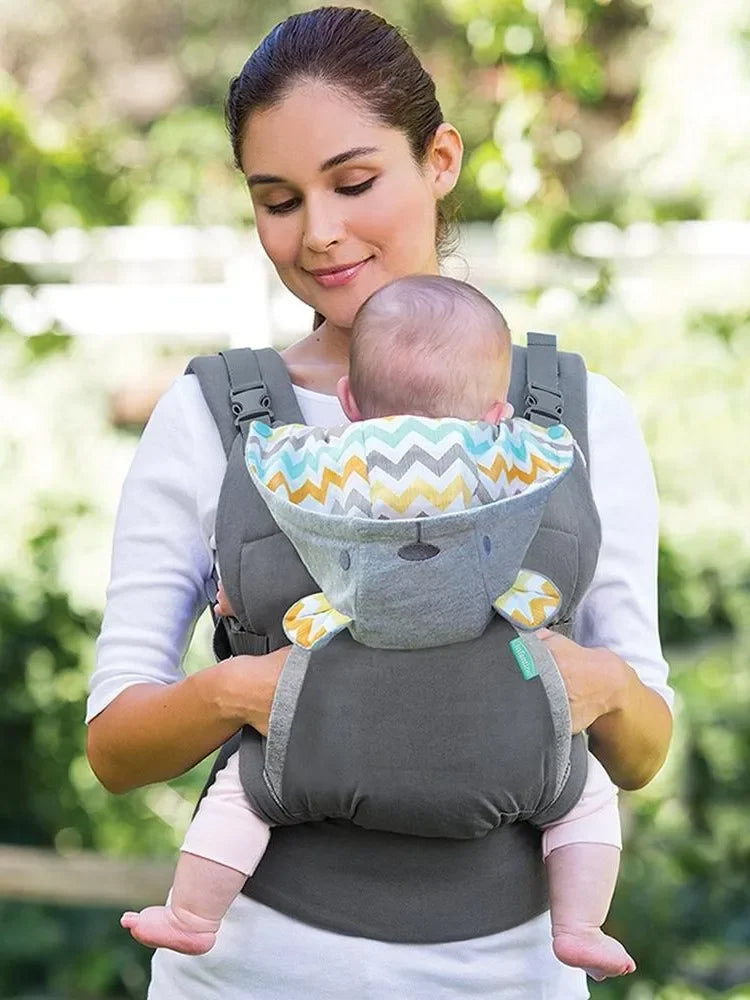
(543, 402)
(250, 402)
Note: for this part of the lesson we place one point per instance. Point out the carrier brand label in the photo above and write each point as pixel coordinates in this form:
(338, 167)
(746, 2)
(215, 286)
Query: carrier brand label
(523, 658)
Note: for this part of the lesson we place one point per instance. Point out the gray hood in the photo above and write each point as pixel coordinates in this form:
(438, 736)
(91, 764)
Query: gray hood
(415, 529)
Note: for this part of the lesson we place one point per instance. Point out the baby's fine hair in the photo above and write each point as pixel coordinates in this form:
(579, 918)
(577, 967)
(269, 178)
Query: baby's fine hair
(431, 346)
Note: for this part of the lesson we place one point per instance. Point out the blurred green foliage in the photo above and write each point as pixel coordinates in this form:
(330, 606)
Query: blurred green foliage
(74, 184)
(549, 82)
(130, 130)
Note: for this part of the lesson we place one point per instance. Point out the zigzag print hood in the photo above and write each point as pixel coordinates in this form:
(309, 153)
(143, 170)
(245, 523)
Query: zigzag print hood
(414, 528)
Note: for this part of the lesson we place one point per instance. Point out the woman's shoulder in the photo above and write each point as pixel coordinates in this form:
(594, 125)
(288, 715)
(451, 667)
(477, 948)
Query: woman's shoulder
(601, 389)
(617, 447)
(182, 406)
(608, 406)
(181, 434)
(184, 394)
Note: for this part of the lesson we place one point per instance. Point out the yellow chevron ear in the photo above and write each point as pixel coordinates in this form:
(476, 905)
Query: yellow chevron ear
(312, 622)
(531, 602)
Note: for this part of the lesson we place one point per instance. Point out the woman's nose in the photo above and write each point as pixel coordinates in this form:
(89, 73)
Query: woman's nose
(323, 228)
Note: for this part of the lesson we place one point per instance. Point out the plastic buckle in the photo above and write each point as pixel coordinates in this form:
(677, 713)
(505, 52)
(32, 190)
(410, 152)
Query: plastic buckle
(234, 624)
(544, 402)
(250, 402)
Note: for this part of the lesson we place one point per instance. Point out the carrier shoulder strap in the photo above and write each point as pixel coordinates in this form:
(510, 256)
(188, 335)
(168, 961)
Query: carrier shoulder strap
(549, 387)
(241, 385)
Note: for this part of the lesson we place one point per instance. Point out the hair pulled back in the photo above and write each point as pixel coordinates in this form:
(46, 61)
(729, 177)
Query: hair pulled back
(356, 52)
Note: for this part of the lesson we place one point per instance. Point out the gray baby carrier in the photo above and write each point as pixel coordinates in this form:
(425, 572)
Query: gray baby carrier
(407, 786)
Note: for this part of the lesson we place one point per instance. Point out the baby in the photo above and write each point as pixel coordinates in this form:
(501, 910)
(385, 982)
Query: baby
(404, 359)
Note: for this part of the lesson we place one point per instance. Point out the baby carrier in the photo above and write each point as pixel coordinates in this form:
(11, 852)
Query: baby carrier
(417, 816)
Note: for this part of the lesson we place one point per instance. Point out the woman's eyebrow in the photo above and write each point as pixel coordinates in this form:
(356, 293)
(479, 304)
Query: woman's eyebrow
(350, 154)
(329, 164)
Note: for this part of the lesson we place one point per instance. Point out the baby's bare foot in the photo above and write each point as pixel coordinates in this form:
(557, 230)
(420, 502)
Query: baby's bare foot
(590, 949)
(161, 927)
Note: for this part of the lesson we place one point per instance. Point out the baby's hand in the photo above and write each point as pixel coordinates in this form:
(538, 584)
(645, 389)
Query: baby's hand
(222, 607)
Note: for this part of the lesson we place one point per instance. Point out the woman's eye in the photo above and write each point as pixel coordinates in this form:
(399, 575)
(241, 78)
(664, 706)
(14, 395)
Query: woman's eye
(357, 188)
(283, 207)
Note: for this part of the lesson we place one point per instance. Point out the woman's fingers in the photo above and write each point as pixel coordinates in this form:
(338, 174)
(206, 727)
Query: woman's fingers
(587, 684)
(222, 607)
(258, 676)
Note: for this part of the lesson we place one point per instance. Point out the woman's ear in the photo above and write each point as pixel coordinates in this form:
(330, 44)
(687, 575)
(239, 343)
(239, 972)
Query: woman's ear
(444, 159)
(347, 400)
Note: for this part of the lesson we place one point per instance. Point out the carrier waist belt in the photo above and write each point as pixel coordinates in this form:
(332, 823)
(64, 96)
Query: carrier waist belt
(393, 887)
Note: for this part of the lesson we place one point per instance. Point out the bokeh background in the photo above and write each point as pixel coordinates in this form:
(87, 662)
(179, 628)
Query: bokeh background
(605, 196)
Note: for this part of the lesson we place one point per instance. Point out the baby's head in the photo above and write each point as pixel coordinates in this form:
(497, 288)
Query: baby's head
(429, 346)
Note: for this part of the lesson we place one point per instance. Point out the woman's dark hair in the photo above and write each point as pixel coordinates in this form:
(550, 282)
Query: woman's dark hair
(356, 52)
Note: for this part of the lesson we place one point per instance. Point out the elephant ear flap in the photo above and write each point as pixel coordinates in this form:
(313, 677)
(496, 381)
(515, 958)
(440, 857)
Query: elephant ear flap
(312, 622)
(532, 602)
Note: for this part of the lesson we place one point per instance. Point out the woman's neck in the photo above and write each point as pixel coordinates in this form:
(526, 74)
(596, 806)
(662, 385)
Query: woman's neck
(319, 360)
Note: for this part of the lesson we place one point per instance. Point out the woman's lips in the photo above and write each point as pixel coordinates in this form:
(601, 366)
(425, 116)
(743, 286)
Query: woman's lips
(335, 278)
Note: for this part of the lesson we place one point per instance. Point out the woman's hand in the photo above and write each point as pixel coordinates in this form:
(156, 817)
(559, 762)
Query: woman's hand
(593, 678)
(249, 688)
(251, 680)
(629, 725)
(222, 608)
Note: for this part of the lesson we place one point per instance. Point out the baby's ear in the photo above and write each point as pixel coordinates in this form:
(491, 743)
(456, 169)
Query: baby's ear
(532, 601)
(311, 623)
(497, 412)
(347, 400)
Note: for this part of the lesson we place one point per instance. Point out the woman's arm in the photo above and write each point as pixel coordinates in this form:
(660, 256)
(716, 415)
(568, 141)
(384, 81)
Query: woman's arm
(147, 720)
(617, 677)
(632, 739)
(153, 732)
(629, 724)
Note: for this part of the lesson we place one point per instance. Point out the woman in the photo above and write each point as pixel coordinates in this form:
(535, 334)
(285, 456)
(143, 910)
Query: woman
(337, 129)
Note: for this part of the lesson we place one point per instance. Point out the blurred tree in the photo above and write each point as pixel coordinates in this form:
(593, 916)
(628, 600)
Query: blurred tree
(548, 83)
(68, 182)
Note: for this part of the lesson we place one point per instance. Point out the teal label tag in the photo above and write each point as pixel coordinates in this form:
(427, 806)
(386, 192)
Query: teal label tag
(523, 658)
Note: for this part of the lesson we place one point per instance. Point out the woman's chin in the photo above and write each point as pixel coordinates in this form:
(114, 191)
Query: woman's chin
(340, 305)
(340, 320)
(340, 314)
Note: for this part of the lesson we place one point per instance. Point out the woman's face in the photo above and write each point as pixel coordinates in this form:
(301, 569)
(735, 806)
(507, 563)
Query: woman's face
(341, 207)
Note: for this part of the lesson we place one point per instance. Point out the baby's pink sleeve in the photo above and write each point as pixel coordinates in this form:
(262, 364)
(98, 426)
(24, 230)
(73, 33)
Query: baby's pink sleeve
(593, 820)
(225, 828)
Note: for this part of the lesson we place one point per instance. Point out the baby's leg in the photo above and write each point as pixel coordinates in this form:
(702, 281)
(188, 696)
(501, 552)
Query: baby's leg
(223, 845)
(582, 853)
(581, 882)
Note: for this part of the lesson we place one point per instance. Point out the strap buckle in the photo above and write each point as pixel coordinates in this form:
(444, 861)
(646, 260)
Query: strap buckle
(543, 402)
(231, 639)
(251, 401)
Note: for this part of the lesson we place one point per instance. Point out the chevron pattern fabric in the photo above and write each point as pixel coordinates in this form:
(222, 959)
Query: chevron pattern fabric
(406, 466)
(312, 622)
(531, 602)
